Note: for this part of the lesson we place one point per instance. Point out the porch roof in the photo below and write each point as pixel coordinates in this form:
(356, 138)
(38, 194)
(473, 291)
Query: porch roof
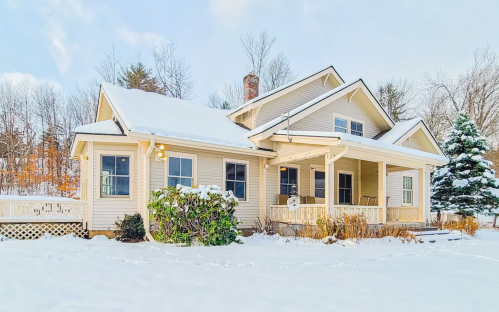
(353, 140)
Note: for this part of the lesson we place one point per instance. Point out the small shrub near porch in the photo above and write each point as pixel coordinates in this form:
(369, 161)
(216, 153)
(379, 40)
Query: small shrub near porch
(130, 229)
(188, 215)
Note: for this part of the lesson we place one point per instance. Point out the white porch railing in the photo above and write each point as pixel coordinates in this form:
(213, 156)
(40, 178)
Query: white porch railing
(402, 213)
(305, 214)
(26, 211)
(372, 213)
(310, 213)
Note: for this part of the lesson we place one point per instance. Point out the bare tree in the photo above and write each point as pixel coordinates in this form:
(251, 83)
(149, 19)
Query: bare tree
(83, 102)
(109, 66)
(397, 98)
(230, 97)
(257, 50)
(172, 72)
(276, 73)
(476, 93)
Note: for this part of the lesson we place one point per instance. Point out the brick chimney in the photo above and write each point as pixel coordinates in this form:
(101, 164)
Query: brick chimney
(250, 86)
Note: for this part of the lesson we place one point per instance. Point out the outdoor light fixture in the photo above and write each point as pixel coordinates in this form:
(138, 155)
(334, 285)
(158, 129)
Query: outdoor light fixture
(162, 147)
(283, 168)
(160, 154)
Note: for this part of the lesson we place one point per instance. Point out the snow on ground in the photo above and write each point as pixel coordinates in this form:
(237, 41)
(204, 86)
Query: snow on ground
(264, 274)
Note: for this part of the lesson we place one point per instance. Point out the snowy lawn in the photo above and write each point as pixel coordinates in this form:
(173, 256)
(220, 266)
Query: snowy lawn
(71, 274)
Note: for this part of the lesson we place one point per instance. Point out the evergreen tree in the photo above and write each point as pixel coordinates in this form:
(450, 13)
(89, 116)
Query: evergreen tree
(464, 184)
(396, 98)
(138, 77)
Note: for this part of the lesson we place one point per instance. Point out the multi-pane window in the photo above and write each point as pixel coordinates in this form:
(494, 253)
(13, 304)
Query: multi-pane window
(320, 184)
(289, 177)
(356, 128)
(115, 176)
(408, 190)
(235, 179)
(340, 125)
(345, 188)
(179, 171)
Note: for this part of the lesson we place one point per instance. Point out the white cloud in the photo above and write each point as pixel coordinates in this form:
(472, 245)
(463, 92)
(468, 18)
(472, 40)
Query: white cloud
(139, 38)
(229, 10)
(17, 78)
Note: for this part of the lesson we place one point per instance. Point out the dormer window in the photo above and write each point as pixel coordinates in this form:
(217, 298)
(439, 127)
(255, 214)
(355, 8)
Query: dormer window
(340, 125)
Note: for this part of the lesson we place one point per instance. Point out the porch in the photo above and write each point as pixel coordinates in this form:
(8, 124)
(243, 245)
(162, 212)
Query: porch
(331, 181)
(30, 217)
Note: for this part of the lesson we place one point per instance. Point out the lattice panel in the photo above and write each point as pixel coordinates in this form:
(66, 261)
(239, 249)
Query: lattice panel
(37, 230)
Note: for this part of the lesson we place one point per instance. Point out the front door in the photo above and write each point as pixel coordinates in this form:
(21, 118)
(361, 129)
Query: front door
(318, 184)
(345, 190)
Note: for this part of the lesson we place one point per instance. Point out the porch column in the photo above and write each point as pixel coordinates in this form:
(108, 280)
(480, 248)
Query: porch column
(422, 193)
(263, 189)
(329, 168)
(382, 189)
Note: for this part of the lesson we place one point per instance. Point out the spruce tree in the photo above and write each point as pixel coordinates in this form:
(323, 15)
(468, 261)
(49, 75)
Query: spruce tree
(464, 184)
(138, 77)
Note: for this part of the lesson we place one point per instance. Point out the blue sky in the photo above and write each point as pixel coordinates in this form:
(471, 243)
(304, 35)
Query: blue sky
(62, 40)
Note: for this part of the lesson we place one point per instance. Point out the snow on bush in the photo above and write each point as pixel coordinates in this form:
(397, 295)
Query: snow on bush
(195, 215)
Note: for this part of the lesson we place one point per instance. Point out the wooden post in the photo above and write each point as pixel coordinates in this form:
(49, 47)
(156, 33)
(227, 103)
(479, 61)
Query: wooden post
(422, 194)
(382, 189)
(90, 185)
(329, 171)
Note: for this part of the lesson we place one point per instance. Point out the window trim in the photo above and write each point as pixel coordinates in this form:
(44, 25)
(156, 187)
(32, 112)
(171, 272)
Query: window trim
(335, 126)
(101, 153)
(349, 123)
(410, 175)
(238, 161)
(279, 177)
(337, 186)
(194, 158)
(314, 168)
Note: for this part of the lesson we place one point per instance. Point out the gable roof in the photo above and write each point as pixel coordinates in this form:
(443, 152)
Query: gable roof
(152, 113)
(282, 89)
(359, 83)
(403, 129)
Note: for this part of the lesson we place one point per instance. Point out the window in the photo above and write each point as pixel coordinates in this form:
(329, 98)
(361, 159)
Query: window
(356, 128)
(340, 125)
(345, 188)
(289, 177)
(180, 171)
(408, 192)
(236, 178)
(115, 176)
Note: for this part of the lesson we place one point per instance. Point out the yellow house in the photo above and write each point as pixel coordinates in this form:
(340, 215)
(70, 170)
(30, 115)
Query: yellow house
(329, 140)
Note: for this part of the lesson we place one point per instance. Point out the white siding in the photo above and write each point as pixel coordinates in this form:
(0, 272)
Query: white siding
(291, 100)
(106, 211)
(322, 120)
(210, 171)
(413, 143)
(394, 187)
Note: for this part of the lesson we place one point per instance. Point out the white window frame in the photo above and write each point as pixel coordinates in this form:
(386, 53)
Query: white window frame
(247, 177)
(349, 123)
(412, 197)
(337, 183)
(314, 168)
(279, 177)
(194, 158)
(131, 162)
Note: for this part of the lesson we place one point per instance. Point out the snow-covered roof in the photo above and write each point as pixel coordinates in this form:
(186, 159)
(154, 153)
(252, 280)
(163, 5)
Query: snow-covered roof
(365, 141)
(399, 130)
(300, 108)
(285, 86)
(152, 113)
(35, 198)
(101, 127)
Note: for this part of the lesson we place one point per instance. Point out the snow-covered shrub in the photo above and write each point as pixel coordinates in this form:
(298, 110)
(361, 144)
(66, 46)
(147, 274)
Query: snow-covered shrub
(130, 229)
(187, 215)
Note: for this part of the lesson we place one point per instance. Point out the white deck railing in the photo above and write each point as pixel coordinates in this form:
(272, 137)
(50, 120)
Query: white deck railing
(310, 213)
(25, 211)
(402, 213)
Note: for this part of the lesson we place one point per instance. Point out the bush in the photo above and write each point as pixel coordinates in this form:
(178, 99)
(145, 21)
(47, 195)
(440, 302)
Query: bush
(187, 215)
(130, 229)
(268, 226)
(468, 225)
